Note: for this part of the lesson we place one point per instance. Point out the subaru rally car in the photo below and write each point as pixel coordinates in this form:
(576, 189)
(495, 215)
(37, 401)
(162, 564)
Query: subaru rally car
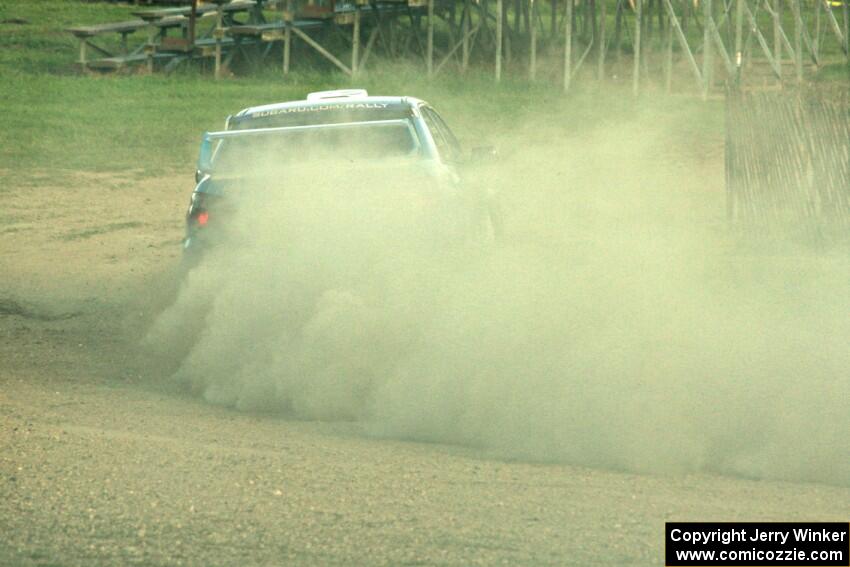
(404, 131)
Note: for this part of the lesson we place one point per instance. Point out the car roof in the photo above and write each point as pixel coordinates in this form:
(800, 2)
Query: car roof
(330, 100)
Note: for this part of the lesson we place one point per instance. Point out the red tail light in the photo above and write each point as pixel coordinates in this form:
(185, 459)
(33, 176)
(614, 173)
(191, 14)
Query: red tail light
(202, 218)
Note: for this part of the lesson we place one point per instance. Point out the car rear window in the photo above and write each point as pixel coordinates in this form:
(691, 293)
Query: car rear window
(321, 114)
(352, 142)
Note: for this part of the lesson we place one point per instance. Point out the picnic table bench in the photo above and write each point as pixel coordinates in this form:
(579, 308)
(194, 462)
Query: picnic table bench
(110, 60)
(228, 36)
(213, 42)
(154, 14)
(85, 34)
(159, 46)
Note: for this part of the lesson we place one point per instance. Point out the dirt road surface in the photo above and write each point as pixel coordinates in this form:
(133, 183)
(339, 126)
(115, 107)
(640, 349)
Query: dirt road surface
(102, 462)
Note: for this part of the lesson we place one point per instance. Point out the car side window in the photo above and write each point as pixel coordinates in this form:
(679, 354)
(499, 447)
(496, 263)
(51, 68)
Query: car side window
(445, 141)
(451, 140)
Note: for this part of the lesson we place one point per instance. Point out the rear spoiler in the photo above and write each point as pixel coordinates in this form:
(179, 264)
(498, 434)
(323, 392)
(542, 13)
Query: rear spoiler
(206, 153)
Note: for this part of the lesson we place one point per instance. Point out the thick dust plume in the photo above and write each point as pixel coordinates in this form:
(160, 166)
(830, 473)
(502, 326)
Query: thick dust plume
(615, 326)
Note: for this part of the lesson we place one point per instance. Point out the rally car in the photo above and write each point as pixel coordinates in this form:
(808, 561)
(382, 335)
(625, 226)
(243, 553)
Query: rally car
(333, 125)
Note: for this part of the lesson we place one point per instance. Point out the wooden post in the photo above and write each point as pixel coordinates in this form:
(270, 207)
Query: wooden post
(554, 19)
(816, 40)
(846, 11)
(568, 44)
(517, 12)
(84, 63)
(506, 37)
(467, 16)
(430, 47)
(739, 39)
(193, 16)
(150, 47)
(618, 31)
(636, 69)
(499, 21)
(219, 30)
(603, 42)
(287, 36)
(532, 64)
(798, 40)
(668, 54)
(707, 51)
(355, 39)
(777, 36)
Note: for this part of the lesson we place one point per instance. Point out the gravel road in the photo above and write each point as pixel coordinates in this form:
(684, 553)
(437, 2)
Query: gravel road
(102, 462)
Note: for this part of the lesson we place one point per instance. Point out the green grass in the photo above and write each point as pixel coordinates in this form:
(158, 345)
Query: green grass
(56, 118)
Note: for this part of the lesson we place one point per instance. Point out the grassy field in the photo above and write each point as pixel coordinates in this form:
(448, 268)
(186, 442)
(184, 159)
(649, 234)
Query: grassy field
(57, 118)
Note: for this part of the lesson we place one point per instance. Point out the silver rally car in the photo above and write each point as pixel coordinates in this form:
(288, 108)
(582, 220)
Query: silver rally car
(274, 141)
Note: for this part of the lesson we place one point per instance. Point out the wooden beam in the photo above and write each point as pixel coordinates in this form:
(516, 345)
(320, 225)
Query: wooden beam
(369, 43)
(456, 46)
(835, 27)
(798, 39)
(774, 64)
(327, 54)
(721, 47)
(683, 42)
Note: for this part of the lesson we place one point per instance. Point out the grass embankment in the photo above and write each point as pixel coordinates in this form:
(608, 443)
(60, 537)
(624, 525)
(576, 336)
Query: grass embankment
(56, 118)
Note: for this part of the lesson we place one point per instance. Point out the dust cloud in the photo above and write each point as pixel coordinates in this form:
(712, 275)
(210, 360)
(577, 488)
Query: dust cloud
(618, 325)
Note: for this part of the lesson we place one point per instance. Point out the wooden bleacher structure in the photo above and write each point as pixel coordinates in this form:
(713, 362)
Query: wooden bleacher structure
(227, 36)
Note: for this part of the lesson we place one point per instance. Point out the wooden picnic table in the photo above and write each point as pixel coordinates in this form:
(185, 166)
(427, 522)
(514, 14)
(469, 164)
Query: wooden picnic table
(87, 34)
(152, 15)
(228, 36)
(188, 44)
(98, 29)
